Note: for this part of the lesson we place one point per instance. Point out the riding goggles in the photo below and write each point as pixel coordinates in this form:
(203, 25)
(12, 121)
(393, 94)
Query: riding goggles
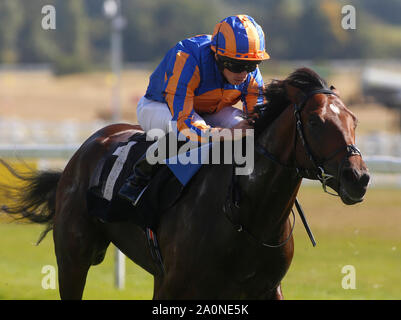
(237, 66)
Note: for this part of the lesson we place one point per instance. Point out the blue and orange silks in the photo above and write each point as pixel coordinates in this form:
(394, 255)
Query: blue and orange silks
(188, 80)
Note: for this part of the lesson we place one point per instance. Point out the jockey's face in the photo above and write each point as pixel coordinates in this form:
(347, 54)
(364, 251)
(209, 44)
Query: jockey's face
(235, 71)
(235, 78)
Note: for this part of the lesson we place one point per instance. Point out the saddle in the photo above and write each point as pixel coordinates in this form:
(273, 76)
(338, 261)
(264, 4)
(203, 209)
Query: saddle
(111, 173)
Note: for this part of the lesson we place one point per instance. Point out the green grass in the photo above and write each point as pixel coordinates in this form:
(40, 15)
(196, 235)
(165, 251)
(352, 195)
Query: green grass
(21, 264)
(315, 273)
(365, 236)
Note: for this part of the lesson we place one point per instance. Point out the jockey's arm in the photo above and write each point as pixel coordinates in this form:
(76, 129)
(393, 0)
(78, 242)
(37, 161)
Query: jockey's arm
(179, 95)
(254, 94)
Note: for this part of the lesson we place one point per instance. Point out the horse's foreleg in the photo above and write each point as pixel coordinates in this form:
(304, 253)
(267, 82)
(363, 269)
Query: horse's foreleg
(279, 293)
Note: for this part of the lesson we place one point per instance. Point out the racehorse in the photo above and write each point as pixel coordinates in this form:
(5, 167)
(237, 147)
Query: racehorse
(303, 131)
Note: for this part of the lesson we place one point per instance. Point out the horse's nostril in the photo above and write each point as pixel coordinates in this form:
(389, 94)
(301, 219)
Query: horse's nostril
(354, 183)
(364, 179)
(355, 176)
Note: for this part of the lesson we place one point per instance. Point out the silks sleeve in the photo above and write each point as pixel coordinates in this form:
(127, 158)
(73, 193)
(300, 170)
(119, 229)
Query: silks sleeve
(254, 92)
(182, 79)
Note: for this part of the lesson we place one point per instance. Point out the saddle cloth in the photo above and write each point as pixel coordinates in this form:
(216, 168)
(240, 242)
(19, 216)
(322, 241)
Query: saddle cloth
(111, 173)
(112, 170)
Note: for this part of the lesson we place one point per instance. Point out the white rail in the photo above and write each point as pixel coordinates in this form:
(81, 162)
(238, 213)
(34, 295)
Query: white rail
(53, 151)
(383, 164)
(376, 163)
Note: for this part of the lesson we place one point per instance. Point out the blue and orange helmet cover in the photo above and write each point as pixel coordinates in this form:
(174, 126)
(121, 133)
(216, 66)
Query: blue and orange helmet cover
(239, 37)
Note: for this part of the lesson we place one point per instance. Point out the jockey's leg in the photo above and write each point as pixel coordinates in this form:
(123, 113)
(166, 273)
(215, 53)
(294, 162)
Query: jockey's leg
(138, 182)
(151, 115)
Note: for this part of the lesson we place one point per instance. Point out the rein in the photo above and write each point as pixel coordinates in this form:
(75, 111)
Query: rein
(233, 198)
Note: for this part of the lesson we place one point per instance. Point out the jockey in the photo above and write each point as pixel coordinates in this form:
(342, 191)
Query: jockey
(197, 83)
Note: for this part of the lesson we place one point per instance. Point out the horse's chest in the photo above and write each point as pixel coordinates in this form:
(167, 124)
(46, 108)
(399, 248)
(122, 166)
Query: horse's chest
(253, 273)
(257, 280)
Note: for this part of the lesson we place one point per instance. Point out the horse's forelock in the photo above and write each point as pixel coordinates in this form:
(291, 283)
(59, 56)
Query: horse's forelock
(304, 79)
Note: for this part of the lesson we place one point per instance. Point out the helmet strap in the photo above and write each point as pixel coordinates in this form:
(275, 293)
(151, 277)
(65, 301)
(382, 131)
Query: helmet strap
(220, 64)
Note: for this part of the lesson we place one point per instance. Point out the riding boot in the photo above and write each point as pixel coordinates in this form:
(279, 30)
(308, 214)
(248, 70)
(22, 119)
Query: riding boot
(137, 183)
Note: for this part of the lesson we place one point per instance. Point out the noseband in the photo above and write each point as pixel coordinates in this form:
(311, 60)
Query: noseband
(318, 171)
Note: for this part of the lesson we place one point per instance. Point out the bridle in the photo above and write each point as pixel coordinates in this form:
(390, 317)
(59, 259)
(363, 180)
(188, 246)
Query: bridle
(317, 172)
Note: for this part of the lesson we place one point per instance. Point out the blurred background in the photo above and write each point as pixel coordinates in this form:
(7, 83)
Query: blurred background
(58, 86)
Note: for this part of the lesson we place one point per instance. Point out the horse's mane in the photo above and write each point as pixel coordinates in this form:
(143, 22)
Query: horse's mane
(304, 79)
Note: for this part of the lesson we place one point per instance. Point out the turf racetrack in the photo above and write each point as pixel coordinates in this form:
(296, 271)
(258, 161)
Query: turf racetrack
(366, 236)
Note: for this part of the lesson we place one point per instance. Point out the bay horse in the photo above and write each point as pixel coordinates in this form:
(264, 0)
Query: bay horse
(303, 131)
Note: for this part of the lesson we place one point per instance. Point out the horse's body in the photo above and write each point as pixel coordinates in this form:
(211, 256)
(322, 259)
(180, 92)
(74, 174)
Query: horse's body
(205, 257)
(217, 257)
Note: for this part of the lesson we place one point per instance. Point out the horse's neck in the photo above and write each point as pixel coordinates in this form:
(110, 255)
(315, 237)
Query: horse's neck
(272, 188)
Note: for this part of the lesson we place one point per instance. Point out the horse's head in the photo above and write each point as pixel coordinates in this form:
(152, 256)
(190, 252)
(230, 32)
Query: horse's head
(325, 135)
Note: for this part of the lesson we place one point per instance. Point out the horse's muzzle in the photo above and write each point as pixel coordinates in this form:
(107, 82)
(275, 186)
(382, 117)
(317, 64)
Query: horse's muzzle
(354, 180)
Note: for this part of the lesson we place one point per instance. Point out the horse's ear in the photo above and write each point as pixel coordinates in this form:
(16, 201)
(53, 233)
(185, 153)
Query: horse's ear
(294, 94)
(333, 88)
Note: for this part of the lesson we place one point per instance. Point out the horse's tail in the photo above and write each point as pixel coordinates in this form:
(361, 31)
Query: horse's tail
(35, 199)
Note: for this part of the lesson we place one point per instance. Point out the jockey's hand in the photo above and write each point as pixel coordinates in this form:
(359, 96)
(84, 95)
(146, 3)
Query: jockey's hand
(253, 116)
(235, 133)
(243, 126)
